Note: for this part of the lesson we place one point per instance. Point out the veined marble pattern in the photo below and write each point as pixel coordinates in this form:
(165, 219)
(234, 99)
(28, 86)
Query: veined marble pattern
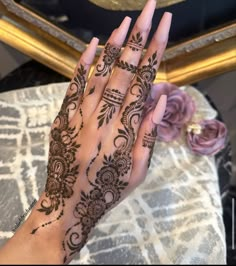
(174, 217)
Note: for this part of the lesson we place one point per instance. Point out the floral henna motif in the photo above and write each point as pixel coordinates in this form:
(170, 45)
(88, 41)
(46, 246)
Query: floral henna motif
(133, 112)
(146, 74)
(149, 142)
(105, 192)
(113, 99)
(135, 44)
(111, 53)
(62, 169)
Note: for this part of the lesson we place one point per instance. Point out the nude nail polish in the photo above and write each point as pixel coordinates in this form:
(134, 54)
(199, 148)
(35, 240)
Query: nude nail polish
(163, 29)
(145, 19)
(89, 53)
(121, 31)
(159, 110)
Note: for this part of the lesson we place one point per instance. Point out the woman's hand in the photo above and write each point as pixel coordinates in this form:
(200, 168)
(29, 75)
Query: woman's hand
(100, 143)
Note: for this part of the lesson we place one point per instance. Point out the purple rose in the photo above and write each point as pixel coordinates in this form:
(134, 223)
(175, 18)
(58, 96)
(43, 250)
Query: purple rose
(155, 94)
(179, 111)
(180, 108)
(168, 132)
(162, 88)
(209, 140)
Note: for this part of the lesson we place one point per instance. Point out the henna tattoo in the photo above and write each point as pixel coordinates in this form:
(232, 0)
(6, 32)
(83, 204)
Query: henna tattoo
(105, 192)
(62, 169)
(149, 142)
(93, 160)
(82, 121)
(146, 74)
(133, 112)
(135, 43)
(111, 53)
(126, 66)
(112, 98)
(108, 185)
(91, 91)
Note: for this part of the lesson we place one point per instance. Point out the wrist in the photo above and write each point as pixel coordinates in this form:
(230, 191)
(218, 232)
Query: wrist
(47, 239)
(44, 247)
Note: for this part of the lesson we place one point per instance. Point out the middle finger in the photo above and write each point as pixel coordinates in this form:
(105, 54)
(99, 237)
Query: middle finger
(126, 67)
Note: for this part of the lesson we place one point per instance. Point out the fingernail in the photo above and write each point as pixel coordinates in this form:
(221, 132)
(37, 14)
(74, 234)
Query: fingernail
(89, 53)
(122, 31)
(159, 110)
(157, 91)
(163, 29)
(145, 19)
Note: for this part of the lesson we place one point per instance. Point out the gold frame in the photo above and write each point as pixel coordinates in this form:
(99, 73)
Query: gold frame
(131, 4)
(188, 62)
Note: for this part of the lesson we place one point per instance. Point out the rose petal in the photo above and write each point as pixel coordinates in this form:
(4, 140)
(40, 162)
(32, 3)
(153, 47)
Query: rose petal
(167, 132)
(180, 108)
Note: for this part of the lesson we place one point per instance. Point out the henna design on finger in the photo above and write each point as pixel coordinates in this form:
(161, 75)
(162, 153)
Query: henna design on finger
(126, 66)
(113, 99)
(132, 113)
(135, 44)
(111, 52)
(82, 121)
(62, 168)
(146, 74)
(91, 91)
(149, 142)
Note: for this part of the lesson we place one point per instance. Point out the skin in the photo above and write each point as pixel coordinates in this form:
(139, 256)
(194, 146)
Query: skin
(100, 144)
